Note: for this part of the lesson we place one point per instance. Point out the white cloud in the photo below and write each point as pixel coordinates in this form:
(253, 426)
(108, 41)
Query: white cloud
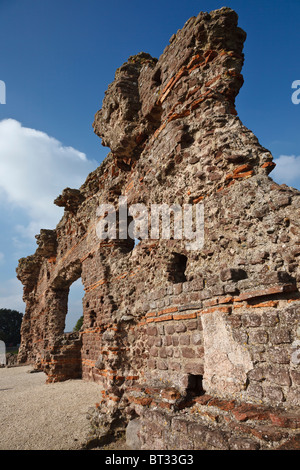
(34, 169)
(287, 170)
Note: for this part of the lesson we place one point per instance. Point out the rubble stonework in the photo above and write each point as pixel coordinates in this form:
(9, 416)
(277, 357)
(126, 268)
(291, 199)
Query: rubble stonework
(200, 347)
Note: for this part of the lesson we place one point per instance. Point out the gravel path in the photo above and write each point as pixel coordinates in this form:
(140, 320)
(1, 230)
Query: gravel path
(39, 416)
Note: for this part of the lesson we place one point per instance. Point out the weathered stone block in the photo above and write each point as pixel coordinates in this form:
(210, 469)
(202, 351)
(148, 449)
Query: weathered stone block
(133, 440)
(232, 274)
(188, 352)
(280, 336)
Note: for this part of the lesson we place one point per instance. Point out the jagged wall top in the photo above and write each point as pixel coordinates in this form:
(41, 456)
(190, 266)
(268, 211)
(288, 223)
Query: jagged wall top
(195, 81)
(133, 104)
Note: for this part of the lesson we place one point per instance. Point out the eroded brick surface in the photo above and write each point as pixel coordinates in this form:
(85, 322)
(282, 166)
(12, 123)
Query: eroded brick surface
(207, 356)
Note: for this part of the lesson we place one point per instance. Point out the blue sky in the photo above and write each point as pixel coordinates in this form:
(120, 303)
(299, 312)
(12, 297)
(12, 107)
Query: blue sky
(57, 59)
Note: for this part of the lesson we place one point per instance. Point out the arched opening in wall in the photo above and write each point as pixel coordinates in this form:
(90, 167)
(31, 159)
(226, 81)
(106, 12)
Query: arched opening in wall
(156, 78)
(92, 318)
(176, 268)
(132, 230)
(75, 309)
(194, 385)
(131, 240)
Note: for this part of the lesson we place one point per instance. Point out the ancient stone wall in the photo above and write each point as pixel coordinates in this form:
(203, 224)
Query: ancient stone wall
(190, 342)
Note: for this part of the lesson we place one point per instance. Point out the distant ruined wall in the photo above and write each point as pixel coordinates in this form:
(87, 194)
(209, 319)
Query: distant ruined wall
(200, 347)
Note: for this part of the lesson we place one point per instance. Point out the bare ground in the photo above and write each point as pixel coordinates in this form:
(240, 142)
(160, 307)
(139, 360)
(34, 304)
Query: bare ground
(39, 416)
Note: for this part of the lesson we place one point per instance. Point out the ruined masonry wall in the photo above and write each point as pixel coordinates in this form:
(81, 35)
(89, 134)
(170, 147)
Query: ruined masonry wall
(201, 347)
